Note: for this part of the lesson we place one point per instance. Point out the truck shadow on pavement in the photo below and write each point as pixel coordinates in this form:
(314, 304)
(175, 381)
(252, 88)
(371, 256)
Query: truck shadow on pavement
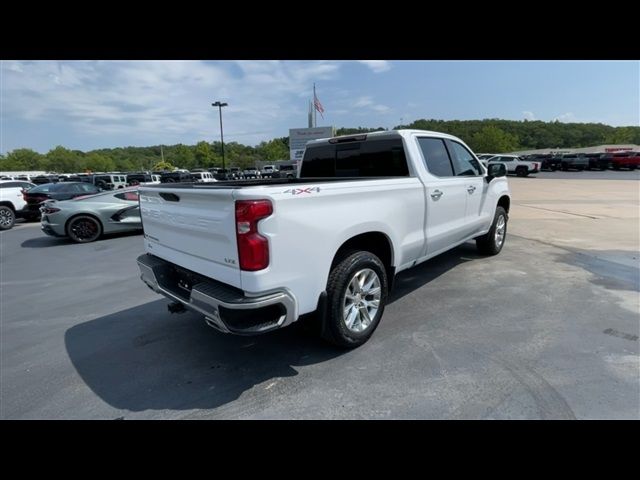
(144, 358)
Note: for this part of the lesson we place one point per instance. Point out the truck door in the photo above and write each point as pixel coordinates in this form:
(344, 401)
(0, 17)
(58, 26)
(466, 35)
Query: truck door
(446, 197)
(466, 166)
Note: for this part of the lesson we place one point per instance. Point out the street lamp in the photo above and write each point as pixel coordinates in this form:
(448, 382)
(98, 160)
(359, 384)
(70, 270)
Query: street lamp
(220, 105)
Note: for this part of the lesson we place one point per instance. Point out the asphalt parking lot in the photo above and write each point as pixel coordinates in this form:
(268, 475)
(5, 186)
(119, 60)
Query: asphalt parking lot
(548, 329)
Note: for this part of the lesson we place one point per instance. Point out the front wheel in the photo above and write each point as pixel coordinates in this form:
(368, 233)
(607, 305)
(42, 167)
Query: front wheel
(84, 229)
(356, 294)
(492, 242)
(7, 218)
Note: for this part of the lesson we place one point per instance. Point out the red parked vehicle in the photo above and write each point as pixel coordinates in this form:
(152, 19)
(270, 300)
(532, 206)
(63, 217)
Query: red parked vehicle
(630, 160)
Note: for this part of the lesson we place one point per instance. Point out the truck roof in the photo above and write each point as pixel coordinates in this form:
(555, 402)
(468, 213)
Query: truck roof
(381, 134)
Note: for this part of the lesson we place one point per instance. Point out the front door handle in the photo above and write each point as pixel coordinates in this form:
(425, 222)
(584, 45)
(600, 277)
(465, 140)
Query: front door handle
(436, 194)
(471, 189)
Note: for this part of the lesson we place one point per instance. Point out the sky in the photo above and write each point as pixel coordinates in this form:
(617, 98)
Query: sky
(86, 105)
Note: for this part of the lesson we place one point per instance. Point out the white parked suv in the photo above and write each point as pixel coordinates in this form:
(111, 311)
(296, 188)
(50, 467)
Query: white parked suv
(12, 201)
(515, 164)
(255, 257)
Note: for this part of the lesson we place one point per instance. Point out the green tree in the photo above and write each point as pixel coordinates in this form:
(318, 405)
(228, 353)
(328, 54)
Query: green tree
(273, 150)
(96, 162)
(63, 160)
(183, 157)
(24, 159)
(163, 166)
(202, 154)
(492, 139)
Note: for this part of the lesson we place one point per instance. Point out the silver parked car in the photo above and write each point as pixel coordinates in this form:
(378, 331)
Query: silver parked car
(85, 219)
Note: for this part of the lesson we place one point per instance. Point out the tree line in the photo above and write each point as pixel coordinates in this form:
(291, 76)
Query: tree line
(483, 136)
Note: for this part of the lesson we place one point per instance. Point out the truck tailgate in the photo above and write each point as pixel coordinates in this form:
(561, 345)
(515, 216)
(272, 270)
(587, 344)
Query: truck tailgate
(193, 228)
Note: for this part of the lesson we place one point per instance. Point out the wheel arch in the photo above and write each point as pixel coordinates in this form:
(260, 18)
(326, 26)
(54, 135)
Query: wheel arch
(6, 203)
(375, 242)
(505, 202)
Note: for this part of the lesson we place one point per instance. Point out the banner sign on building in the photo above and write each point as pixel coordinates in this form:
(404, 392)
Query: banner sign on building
(298, 138)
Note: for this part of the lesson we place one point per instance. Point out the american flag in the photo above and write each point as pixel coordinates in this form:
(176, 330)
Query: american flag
(318, 105)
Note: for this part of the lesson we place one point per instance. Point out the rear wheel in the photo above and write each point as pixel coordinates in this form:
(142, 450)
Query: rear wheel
(7, 218)
(492, 242)
(522, 171)
(84, 229)
(356, 294)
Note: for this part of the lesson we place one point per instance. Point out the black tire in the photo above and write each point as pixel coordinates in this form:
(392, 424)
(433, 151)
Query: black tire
(522, 171)
(335, 329)
(616, 167)
(487, 244)
(565, 167)
(84, 229)
(7, 218)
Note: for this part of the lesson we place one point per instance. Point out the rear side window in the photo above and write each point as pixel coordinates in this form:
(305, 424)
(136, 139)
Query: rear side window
(10, 185)
(436, 156)
(370, 158)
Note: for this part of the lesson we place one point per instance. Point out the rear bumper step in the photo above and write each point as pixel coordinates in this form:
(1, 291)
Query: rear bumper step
(225, 308)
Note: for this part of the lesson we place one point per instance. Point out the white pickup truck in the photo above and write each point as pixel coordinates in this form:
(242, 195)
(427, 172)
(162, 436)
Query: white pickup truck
(255, 256)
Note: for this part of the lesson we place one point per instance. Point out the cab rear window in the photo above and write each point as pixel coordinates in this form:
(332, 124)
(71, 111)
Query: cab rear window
(369, 158)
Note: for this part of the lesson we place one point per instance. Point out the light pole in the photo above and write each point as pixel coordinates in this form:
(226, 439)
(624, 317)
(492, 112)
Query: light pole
(220, 105)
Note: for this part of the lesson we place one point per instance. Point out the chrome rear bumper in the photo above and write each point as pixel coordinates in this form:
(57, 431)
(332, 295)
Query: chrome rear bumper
(225, 308)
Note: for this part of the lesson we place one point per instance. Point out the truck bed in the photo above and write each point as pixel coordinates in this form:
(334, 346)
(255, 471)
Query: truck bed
(225, 184)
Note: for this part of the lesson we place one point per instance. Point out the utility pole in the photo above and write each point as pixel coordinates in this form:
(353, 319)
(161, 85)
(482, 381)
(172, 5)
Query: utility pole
(220, 105)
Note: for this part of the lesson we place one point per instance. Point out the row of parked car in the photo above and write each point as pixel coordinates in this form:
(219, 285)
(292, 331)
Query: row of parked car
(523, 165)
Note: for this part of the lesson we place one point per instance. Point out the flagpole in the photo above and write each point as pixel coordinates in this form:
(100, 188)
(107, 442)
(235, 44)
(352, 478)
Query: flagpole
(315, 110)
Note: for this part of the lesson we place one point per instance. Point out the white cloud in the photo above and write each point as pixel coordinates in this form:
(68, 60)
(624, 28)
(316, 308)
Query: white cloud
(162, 101)
(377, 66)
(368, 103)
(528, 115)
(568, 117)
(363, 102)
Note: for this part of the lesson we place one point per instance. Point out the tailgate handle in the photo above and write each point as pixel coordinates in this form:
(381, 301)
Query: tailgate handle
(170, 197)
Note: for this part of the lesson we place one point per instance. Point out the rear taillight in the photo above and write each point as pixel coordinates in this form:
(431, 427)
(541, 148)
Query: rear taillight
(253, 248)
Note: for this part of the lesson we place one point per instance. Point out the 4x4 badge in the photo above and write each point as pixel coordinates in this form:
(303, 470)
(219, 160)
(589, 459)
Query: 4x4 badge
(298, 191)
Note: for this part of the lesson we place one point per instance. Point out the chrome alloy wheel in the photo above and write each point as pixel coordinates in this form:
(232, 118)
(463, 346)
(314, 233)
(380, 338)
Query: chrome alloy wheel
(501, 226)
(6, 217)
(361, 300)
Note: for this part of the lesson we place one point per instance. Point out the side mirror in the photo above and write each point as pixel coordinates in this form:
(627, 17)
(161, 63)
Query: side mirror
(496, 170)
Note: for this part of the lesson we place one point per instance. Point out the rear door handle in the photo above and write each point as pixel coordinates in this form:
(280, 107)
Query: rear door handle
(436, 194)
(471, 189)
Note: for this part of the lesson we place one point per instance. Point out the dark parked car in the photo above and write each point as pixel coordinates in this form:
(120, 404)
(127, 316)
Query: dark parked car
(138, 178)
(57, 191)
(573, 161)
(547, 161)
(286, 171)
(42, 179)
(597, 161)
(176, 177)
